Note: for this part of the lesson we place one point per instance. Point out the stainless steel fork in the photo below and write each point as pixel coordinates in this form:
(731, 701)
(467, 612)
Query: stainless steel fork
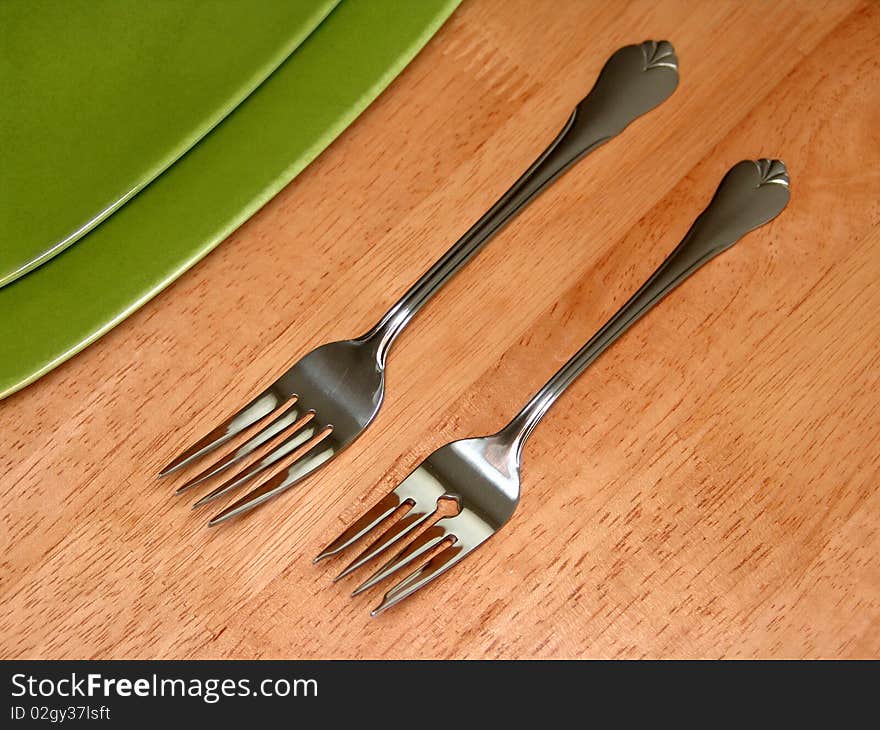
(482, 474)
(332, 394)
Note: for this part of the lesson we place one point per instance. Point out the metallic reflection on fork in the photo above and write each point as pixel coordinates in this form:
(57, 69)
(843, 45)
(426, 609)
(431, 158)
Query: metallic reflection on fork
(482, 474)
(342, 384)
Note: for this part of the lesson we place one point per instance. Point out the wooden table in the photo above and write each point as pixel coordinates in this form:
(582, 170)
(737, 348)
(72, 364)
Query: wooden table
(708, 489)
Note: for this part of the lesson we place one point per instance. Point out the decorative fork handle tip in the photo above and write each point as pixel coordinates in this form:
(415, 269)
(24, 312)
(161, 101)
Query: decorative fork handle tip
(752, 193)
(773, 172)
(634, 80)
(659, 54)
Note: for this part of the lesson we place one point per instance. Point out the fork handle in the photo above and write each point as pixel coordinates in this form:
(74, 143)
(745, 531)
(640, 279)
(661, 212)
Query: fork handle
(751, 194)
(633, 81)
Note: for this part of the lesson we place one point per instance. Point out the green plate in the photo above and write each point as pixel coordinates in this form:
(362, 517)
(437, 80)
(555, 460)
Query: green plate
(55, 311)
(100, 96)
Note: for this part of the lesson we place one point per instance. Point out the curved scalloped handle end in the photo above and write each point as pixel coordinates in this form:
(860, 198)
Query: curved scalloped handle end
(752, 193)
(659, 54)
(773, 172)
(633, 81)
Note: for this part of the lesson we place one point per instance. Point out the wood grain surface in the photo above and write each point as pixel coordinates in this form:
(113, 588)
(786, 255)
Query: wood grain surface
(708, 489)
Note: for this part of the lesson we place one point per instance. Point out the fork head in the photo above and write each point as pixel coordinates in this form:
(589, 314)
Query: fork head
(480, 474)
(329, 397)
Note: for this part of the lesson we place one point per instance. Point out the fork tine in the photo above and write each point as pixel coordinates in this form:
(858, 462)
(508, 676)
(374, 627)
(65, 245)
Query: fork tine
(435, 567)
(307, 462)
(377, 514)
(392, 536)
(292, 442)
(469, 529)
(258, 408)
(292, 416)
(424, 543)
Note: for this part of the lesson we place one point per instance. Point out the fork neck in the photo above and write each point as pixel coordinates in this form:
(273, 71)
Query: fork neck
(387, 330)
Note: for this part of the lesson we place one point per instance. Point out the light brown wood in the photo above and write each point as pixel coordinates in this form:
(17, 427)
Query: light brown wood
(708, 489)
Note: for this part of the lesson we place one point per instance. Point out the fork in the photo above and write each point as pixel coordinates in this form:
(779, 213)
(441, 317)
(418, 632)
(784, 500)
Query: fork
(481, 475)
(328, 398)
